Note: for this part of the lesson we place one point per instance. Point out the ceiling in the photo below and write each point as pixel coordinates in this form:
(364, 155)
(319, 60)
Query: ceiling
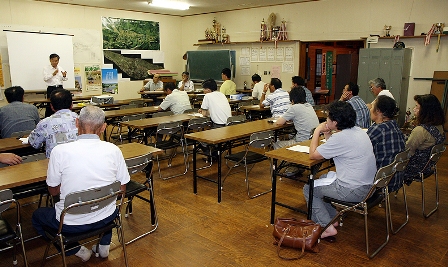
(196, 6)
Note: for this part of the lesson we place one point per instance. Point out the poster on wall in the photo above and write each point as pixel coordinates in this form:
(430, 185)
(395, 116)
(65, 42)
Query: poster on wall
(109, 81)
(78, 78)
(126, 43)
(93, 78)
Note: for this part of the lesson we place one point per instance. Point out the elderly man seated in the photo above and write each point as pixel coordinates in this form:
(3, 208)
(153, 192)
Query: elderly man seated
(80, 165)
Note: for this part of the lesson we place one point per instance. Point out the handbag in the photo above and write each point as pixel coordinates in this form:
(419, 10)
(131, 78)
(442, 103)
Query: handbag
(301, 234)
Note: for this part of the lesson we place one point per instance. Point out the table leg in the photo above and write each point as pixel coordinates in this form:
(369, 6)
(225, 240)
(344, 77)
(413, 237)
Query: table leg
(195, 178)
(314, 170)
(274, 188)
(219, 173)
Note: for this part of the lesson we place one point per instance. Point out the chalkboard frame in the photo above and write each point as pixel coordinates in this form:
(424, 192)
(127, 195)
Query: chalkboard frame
(208, 64)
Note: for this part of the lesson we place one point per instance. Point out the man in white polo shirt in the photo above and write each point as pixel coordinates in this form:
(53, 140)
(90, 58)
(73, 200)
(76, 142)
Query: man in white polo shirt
(215, 104)
(378, 87)
(175, 100)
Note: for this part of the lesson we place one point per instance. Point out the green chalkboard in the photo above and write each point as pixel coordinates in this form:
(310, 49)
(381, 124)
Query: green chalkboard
(207, 64)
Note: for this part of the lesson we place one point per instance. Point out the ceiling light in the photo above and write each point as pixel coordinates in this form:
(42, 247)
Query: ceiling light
(169, 4)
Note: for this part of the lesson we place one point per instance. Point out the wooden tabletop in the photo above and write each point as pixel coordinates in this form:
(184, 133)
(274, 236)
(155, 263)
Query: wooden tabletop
(154, 122)
(300, 158)
(39, 100)
(254, 108)
(151, 92)
(116, 103)
(228, 133)
(131, 111)
(36, 171)
(11, 143)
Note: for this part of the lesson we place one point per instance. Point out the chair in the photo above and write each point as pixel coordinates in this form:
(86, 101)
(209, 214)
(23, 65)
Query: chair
(263, 140)
(170, 135)
(162, 114)
(197, 125)
(83, 202)
(377, 194)
(134, 188)
(191, 110)
(121, 135)
(7, 233)
(436, 154)
(401, 161)
(21, 134)
(236, 120)
(139, 103)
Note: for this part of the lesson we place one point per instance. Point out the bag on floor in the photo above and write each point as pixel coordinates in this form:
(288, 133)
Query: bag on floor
(299, 234)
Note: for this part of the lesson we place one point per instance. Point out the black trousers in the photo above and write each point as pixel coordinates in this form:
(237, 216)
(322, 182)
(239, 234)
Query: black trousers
(48, 110)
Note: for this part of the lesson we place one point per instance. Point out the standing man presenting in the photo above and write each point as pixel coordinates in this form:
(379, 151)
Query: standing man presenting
(186, 84)
(54, 76)
(228, 87)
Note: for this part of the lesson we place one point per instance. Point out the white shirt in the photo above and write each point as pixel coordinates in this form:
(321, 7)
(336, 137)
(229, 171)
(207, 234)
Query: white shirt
(84, 164)
(151, 86)
(53, 80)
(386, 93)
(177, 102)
(189, 85)
(218, 106)
(258, 90)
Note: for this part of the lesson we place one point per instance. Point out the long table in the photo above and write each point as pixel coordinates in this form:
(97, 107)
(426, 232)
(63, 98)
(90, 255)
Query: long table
(301, 158)
(130, 111)
(36, 171)
(220, 137)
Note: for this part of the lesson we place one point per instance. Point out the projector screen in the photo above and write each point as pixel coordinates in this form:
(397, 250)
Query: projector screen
(30, 52)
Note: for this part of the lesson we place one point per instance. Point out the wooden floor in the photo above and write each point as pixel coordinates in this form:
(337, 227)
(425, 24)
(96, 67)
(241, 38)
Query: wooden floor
(194, 230)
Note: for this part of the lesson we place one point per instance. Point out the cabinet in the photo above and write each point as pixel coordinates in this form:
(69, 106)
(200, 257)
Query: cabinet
(346, 72)
(393, 65)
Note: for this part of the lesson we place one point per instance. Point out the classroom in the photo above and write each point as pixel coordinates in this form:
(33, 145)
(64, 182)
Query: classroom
(194, 229)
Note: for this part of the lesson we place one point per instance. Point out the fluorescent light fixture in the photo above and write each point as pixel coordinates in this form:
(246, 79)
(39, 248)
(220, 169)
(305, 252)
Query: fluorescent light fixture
(169, 4)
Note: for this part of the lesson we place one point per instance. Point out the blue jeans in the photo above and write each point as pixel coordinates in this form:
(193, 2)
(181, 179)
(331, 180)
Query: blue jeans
(323, 212)
(47, 217)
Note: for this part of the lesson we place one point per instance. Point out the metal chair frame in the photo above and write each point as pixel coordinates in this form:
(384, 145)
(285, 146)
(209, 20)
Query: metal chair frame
(197, 125)
(377, 194)
(121, 135)
(81, 202)
(170, 135)
(6, 199)
(262, 140)
(133, 189)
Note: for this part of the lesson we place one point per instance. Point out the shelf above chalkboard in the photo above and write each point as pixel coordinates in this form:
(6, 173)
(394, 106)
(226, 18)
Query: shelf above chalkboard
(254, 42)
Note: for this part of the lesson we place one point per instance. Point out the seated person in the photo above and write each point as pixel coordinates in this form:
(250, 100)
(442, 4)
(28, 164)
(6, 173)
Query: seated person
(154, 84)
(378, 87)
(278, 100)
(175, 100)
(430, 119)
(10, 159)
(350, 94)
(258, 87)
(17, 116)
(80, 165)
(303, 116)
(228, 87)
(215, 104)
(386, 137)
(350, 148)
(298, 81)
(186, 84)
(58, 128)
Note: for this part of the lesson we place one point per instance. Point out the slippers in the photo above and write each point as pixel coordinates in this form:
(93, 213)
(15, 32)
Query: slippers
(329, 239)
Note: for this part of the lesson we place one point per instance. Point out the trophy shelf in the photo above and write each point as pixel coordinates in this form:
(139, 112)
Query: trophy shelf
(407, 37)
(253, 42)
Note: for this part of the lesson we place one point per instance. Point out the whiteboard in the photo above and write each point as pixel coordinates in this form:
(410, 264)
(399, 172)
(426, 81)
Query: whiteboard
(29, 53)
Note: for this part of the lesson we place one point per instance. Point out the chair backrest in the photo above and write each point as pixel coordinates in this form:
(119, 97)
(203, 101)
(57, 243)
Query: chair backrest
(236, 120)
(128, 106)
(262, 140)
(162, 114)
(34, 157)
(191, 110)
(169, 128)
(401, 160)
(199, 124)
(133, 117)
(384, 175)
(139, 102)
(5, 199)
(255, 102)
(137, 164)
(436, 152)
(21, 134)
(91, 200)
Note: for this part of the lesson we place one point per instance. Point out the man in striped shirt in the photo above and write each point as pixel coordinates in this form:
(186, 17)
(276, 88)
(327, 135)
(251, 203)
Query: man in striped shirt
(350, 94)
(277, 100)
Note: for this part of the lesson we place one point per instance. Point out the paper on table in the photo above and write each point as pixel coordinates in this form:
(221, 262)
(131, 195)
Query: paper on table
(299, 148)
(196, 114)
(24, 140)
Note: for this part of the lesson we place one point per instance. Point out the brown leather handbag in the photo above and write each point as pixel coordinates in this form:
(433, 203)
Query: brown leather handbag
(301, 234)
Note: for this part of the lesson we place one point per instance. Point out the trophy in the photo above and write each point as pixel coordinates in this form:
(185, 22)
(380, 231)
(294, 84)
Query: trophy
(387, 29)
(439, 27)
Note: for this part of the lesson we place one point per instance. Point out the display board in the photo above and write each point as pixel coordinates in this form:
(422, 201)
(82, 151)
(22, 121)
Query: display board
(29, 52)
(207, 64)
